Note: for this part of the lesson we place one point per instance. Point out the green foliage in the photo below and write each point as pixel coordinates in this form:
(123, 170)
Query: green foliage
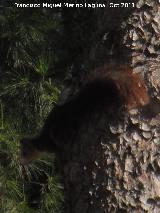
(27, 93)
(26, 63)
(23, 34)
(15, 179)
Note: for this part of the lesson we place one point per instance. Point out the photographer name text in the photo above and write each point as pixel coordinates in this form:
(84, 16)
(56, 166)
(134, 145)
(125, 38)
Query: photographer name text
(75, 5)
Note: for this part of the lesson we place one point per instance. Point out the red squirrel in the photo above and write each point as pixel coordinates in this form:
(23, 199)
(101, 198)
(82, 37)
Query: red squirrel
(110, 87)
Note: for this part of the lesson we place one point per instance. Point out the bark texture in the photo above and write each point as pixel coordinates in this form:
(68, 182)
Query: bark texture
(113, 164)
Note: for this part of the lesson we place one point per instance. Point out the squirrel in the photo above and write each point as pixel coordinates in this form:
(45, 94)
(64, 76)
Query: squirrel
(108, 87)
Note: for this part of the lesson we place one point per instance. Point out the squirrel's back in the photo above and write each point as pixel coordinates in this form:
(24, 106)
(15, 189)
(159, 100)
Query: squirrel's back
(131, 86)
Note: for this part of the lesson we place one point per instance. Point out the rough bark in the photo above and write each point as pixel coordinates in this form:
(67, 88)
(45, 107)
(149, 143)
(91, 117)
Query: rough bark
(113, 164)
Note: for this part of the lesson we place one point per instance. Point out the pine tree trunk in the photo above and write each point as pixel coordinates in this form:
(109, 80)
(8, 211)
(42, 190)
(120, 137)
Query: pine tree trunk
(113, 164)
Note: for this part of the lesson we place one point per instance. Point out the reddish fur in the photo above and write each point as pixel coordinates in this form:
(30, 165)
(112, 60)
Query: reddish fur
(131, 86)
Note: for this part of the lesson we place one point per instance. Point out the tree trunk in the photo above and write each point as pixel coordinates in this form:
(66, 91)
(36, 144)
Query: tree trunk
(113, 165)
